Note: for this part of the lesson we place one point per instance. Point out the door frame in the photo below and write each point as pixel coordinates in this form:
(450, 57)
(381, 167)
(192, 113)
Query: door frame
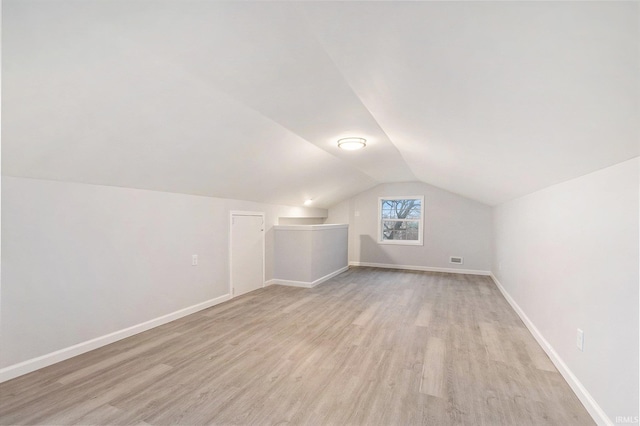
(232, 214)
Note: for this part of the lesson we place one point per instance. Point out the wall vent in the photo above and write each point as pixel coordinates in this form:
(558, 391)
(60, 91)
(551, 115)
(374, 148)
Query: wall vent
(456, 259)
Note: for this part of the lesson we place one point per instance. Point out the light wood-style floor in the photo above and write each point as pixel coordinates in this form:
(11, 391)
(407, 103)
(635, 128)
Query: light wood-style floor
(371, 346)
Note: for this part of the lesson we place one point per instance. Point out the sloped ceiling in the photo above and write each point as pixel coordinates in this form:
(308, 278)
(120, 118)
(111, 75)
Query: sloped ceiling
(247, 100)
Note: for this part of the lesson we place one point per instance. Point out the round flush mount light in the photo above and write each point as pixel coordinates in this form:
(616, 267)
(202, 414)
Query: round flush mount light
(351, 144)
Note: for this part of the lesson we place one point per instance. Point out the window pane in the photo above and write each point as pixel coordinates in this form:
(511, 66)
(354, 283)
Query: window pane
(387, 209)
(396, 230)
(400, 220)
(400, 209)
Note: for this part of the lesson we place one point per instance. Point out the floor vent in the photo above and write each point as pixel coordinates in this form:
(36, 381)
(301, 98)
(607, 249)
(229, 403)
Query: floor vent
(455, 259)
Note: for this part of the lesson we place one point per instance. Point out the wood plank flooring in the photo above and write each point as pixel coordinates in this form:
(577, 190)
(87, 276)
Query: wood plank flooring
(369, 347)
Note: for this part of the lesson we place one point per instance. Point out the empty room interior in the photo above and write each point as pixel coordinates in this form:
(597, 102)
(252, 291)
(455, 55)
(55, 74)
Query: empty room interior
(327, 213)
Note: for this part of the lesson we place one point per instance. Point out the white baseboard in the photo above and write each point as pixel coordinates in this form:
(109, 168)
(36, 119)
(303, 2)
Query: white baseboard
(597, 413)
(307, 284)
(421, 268)
(12, 371)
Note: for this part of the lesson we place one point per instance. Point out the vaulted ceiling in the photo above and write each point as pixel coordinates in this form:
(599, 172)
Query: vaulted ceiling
(247, 99)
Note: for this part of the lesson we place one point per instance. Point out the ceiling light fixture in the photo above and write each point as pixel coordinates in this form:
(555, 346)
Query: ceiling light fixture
(351, 144)
(308, 202)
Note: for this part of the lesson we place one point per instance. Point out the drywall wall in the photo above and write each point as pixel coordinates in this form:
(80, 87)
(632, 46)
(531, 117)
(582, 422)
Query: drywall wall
(82, 261)
(293, 243)
(453, 226)
(568, 257)
(329, 250)
(306, 255)
(301, 220)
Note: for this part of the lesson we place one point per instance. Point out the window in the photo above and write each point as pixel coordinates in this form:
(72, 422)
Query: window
(400, 220)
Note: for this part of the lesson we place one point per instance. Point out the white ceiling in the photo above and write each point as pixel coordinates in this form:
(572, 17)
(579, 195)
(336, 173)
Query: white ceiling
(247, 100)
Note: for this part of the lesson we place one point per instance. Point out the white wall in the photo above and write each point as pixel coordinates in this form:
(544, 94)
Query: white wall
(82, 261)
(453, 226)
(568, 257)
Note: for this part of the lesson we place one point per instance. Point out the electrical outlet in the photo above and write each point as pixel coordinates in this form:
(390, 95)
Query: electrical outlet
(580, 340)
(194, 260)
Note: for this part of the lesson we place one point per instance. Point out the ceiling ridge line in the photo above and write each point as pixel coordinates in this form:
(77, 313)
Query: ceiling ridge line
(313, 34)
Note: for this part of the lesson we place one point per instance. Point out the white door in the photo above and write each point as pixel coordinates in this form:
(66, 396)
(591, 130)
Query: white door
(247, 252)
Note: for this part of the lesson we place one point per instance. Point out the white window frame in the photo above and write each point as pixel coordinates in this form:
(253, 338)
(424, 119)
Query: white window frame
(420, 221)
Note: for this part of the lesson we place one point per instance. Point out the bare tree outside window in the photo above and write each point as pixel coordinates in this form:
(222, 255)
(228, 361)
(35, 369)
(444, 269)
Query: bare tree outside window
(401, 220)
